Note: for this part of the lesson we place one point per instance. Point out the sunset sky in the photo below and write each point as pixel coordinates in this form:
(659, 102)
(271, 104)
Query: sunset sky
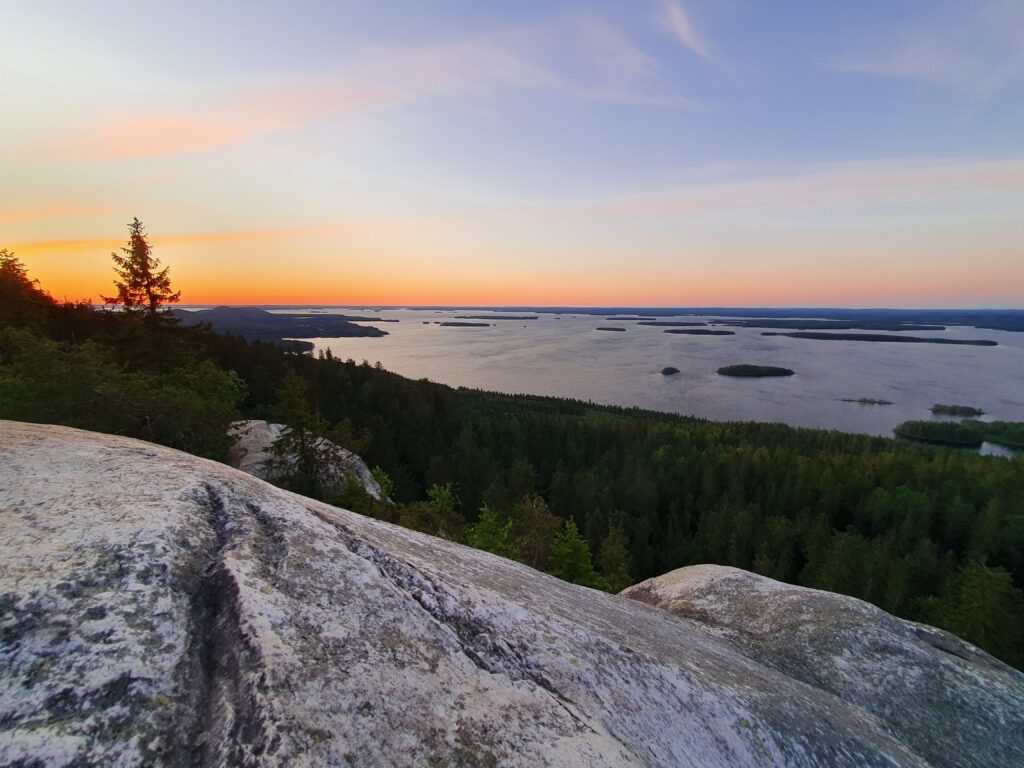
(642, 152)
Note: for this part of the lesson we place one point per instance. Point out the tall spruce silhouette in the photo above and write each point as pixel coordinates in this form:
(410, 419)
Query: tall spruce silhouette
(141, 285)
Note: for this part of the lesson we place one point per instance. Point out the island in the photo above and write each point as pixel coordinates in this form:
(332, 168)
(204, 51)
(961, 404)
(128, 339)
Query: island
(496, 317)
(610, 328)
(866, 401)
(956, 410)
(282, 329)
(460, 324)
(669, 370)
(964, 434)
(669, 323)
(754, 371)
(833, 325)
(700, 332)
(883, 338)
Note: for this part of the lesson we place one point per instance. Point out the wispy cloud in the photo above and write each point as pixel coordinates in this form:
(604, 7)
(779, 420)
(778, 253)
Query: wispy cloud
(50, 212)
(105, 244)
(973, 47)
(680, 25)
(475, 68)
(892, 182)
(198, 129)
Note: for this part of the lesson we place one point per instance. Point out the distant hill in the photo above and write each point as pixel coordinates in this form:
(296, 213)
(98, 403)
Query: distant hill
(259, 325)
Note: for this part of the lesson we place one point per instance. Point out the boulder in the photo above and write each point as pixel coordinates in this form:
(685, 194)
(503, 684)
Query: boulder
(951, 703)
(158, 608)
(251, 454)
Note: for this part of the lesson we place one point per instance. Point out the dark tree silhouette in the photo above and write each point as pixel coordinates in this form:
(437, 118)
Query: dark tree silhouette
(142, 285)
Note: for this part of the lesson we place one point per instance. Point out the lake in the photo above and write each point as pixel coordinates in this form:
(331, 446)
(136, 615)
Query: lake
(565, 356)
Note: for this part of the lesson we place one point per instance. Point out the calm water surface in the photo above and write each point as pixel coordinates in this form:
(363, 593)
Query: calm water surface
(565, 356)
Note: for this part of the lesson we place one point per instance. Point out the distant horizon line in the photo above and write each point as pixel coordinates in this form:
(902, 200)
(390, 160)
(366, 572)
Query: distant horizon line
(624, 309)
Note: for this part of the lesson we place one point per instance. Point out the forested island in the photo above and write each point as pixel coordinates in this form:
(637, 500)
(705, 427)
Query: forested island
(754, 371)
(964, 434)
(867, 401)
(609, 328)
(883, 338)
(833, 325)
(699, 332)
(496, 317)
(596, 495)
(669, 370)
(671, 323)
(461, 324)
(956, 410)
(259, 325)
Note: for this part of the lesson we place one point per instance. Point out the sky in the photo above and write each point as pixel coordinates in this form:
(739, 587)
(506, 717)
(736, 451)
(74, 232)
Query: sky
(632, 153)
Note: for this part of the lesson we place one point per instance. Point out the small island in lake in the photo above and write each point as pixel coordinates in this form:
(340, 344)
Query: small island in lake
(496, 317)
(459, 324)
(754, 370)
(883, 337)
(700, 332)
(669, 323)
(956, 410)
(669, 370)
(866, 401)
(610, 328)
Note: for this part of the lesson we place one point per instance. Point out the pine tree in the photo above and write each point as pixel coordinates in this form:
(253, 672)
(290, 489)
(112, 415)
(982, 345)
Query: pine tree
(141, 284)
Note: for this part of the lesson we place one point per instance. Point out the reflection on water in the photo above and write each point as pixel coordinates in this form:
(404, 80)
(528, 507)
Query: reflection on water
(565, 356)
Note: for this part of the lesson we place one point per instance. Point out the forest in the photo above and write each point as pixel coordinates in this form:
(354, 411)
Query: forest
(598, 495)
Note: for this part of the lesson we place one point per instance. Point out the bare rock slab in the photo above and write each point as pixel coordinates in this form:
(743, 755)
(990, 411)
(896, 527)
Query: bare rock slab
(157, 608)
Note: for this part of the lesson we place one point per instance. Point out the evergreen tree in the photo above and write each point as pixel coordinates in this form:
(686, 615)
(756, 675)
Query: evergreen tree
(613, 558)
(141, 284)
(304, 461)
(984, 607)
(570, 558)
(492, 533)
(535, 528)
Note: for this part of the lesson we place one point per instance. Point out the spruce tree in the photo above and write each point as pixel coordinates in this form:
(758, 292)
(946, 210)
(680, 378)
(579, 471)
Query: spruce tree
(141, 285)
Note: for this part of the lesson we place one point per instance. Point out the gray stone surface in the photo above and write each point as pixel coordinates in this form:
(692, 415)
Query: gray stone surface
(157, 608)
(251, 454)
(951, 703)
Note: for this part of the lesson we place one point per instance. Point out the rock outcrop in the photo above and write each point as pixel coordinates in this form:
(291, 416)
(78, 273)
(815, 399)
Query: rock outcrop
(251, 454)
(156, 608)
(950, 702)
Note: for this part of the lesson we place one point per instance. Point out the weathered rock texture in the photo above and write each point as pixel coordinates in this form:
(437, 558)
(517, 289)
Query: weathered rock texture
(949, 702)
(156, 608)
(251, 454)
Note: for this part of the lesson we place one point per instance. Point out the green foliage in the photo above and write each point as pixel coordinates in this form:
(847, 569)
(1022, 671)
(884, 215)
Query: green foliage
(535, 528)
(613, 560)
(81, 385)
(965, 434)
(492, 533)
(983, 607)
(305, 460)
(438, 515)
(387, 485)
(570, 558)
(886, 521)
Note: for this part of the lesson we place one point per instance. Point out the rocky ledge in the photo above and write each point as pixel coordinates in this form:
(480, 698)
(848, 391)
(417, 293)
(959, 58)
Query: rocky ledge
(156, 608)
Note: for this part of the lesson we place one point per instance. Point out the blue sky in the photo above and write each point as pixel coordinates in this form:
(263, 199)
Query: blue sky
(646, 152)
